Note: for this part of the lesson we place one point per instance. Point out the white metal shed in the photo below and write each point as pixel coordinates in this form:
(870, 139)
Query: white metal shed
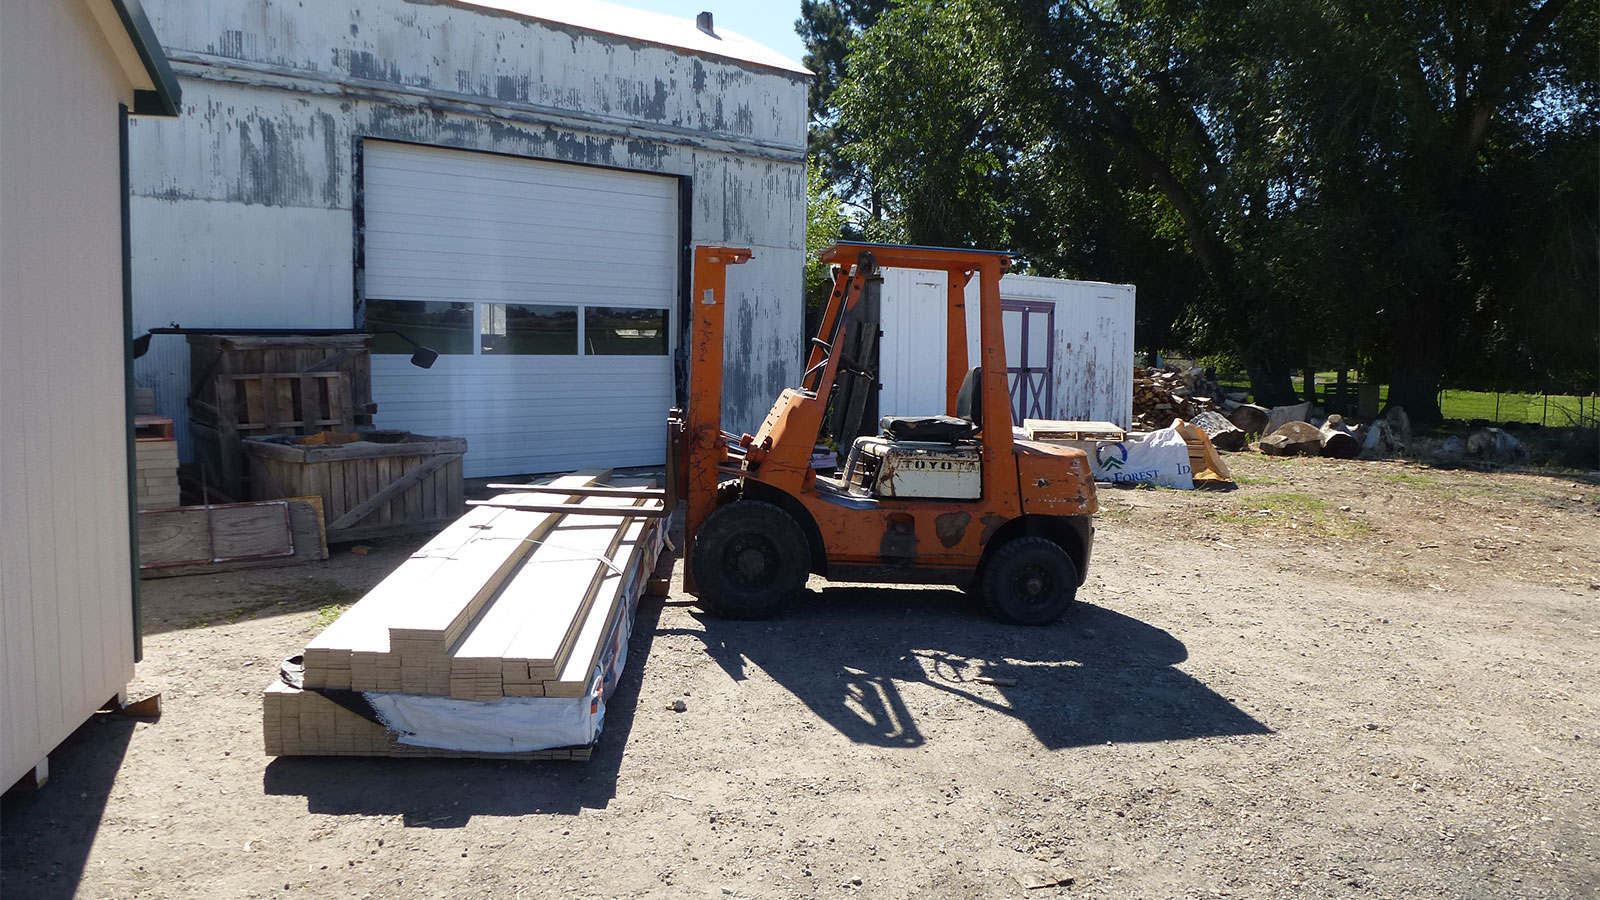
(1069, 346)
(68, 589)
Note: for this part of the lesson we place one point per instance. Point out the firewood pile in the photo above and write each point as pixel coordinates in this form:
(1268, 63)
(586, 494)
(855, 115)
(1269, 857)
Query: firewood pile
(1161, 395)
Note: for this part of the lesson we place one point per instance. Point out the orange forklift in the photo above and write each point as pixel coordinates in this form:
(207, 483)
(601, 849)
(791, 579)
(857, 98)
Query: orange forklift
(948, 499)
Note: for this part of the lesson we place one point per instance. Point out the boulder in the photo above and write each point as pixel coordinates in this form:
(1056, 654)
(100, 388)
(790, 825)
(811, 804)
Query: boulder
(1282, 415)
(1223, 434)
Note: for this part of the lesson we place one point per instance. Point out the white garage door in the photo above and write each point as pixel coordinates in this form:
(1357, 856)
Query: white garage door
(548, 290)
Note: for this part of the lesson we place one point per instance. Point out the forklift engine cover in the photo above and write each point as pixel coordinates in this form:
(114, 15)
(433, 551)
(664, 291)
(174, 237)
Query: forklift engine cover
(880, 467)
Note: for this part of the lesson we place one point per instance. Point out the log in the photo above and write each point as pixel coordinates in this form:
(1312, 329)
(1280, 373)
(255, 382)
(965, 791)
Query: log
(1293, 439)
(1282, 415)
(1250, 418)
(1338, 441)
(1224, 434)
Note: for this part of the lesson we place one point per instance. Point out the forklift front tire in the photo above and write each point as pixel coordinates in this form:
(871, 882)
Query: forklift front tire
(1029, 581)
(750, 559)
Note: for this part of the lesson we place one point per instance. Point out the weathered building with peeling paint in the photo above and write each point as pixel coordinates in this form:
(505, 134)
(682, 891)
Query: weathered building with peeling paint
(516, 184)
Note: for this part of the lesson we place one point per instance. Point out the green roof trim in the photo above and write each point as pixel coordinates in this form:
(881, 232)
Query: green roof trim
(163, 101)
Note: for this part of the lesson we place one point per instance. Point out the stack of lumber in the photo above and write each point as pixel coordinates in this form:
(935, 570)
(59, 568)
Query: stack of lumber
(519, 598)
(156, 462)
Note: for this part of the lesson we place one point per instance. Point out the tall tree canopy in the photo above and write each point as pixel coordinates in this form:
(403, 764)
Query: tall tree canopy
(1408, 185)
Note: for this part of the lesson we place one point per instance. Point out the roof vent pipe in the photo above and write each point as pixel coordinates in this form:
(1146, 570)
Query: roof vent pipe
(703, 22)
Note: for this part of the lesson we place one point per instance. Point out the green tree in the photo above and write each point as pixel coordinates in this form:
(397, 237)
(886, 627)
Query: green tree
(829, 28)
(1288, 181)
(922, 100)
(825, 222)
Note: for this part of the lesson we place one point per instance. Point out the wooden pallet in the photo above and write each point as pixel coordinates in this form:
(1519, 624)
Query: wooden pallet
(195, 540)
(152, 428)
(1071, 430)
(314, 382)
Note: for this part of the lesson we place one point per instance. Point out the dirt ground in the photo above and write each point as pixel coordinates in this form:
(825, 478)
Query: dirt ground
(1343, 679)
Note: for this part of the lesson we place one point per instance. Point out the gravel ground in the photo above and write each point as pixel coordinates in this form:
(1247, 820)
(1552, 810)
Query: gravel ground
(1344, 679)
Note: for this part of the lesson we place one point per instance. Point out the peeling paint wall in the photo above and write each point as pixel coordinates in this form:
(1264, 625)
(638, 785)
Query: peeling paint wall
(1093, 365)
(243, 207)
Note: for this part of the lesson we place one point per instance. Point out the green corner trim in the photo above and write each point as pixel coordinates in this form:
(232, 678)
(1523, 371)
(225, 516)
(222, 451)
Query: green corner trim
(164, 100)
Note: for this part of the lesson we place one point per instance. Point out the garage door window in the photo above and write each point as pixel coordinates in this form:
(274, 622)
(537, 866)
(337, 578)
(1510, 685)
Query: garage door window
(446, 327)
(624, 331)
(529, 330)
(520, 329)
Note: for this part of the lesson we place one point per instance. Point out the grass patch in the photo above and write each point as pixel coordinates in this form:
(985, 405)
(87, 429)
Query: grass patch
(328, 613)
(1554, 409)
(1297, 510)
(1242, 479)
(1549, 409)
(1288, 502)
(1408, 478)
(1114, 514)
(1426, 483)
(315, 593)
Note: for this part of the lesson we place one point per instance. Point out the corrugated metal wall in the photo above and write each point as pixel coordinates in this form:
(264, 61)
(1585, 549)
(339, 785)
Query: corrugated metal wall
(243, 207)
(66, 605)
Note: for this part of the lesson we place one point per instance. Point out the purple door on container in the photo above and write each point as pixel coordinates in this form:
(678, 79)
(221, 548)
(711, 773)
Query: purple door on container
(1030, 352)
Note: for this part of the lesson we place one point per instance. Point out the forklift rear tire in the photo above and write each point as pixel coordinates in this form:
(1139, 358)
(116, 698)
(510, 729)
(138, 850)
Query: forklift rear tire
(1030, 581)
(750, 559)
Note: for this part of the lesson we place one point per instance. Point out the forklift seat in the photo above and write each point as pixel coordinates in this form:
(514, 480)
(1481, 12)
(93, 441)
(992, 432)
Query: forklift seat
(941, 429)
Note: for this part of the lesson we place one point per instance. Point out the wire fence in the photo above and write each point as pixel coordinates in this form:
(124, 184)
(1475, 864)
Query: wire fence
(1553, 410)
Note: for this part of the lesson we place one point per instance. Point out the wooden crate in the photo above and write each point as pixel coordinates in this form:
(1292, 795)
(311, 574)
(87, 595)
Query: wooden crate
(369, 489)
(243, 385)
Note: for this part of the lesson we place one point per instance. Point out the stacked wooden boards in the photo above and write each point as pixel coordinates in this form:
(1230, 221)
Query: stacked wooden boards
(156, 463)
(504, 603)
(306, 723)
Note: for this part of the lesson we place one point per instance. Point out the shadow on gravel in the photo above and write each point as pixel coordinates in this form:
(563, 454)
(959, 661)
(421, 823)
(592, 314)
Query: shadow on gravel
(447, 793)
(1095, 677)
(46, 835)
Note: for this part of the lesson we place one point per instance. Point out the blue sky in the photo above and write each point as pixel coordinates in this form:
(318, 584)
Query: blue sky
(770, 22)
